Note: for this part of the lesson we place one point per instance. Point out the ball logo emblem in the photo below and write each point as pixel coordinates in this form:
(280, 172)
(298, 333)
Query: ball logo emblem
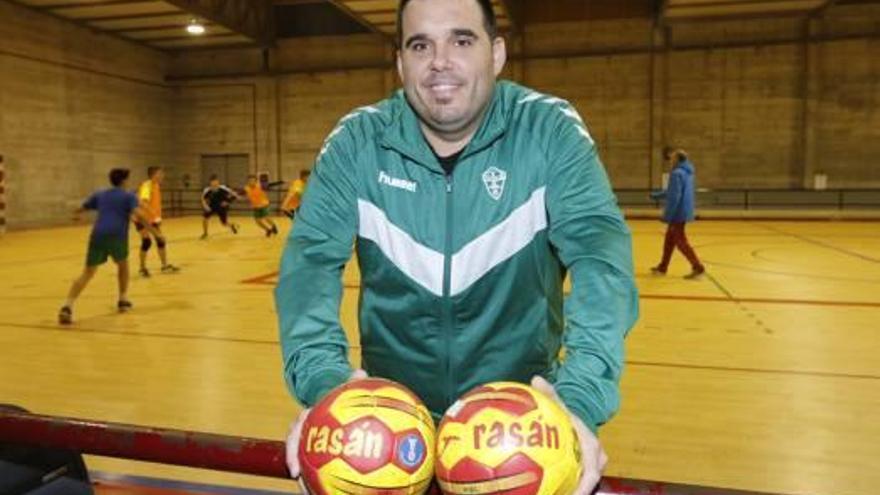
(412, 450)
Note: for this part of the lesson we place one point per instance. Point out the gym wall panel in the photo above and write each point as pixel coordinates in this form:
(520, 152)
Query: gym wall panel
(612, 96)
(74, 104)
(738, 112)
(846, 124)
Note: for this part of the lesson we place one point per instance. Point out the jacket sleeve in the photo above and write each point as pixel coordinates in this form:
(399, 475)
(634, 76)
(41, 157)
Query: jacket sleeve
(658, 195)
(309, 291)
(673, 195)
(595, 245)
(91, 203)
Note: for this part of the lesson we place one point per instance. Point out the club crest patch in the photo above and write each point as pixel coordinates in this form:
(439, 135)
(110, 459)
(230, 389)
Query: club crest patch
(494, 179)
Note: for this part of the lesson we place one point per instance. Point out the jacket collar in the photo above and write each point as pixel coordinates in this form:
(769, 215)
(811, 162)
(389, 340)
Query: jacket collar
(404, 135)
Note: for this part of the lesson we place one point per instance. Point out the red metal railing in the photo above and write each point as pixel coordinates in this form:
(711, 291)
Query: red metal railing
(219, 452)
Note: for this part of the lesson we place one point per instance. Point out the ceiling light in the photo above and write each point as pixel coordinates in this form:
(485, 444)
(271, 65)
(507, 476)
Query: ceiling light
(195, 28)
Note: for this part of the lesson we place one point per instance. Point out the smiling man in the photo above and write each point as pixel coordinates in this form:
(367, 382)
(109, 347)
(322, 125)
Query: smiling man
(469, 201)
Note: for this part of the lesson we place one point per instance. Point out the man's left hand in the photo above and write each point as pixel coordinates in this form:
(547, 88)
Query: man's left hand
(593, 458)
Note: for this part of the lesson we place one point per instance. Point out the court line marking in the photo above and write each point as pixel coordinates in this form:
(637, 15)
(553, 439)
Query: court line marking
(758, 300)
(660, 233)
(791, 274)
(823, 374)
(729, 297)
(136, 237)
(816, 242)
(74, 329)
(263, 279)
(138, 297)
(719, 286)
(267, 279)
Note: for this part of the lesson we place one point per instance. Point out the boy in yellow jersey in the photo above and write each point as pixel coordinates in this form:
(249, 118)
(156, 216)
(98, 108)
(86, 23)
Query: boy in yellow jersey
(291, 202)
(256, 194)
(150, 197)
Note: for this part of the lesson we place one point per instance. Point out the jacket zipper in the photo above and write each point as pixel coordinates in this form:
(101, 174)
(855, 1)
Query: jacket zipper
(447, 299)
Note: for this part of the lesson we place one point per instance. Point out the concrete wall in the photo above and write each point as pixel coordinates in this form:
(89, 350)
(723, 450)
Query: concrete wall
(74, 104)
(313, 83)
(759, 103)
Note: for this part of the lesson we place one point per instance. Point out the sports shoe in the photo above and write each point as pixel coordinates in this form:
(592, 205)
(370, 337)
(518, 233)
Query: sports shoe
(695, 273)
(169, 268)
(656, 270)
(234, 228)
(144, 273)
(203, 237)
(268, 232)
(274, 230)
(124, 305)
(65, 315)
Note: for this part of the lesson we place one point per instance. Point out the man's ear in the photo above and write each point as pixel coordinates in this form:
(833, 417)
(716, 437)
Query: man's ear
(499, 54)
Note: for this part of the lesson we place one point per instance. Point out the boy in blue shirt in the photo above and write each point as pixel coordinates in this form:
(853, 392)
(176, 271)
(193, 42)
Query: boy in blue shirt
(109, 239)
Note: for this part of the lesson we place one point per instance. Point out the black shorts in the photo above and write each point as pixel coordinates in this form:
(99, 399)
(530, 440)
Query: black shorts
(223, 213)
(140, 227)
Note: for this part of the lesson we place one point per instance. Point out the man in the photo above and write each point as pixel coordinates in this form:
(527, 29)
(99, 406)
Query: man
(115, 207)
(256, 194)
(216, 199)
(678, 211)
(470, 201)
(291, 203)
(150, 196)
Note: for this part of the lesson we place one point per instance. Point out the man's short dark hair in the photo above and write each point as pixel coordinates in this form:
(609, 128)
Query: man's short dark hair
(151, 171)
(670, 152)
(118, 176)
(213, 177)
(490, 22)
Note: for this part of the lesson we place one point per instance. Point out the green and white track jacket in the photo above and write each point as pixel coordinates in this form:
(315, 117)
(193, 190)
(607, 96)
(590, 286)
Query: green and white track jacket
(462, 275)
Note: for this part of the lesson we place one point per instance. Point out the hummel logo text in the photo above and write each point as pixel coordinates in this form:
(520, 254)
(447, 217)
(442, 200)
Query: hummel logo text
(398, 183)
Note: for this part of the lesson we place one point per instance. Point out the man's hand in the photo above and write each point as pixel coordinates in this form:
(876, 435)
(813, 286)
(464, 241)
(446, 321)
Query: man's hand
(593, 458)
(295, 434)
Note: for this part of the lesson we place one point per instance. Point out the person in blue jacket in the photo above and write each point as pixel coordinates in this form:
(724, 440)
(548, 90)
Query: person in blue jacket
(678, 211)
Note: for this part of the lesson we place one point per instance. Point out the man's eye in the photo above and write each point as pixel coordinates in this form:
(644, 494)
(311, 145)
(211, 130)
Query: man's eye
(419, 47)
(464, 42)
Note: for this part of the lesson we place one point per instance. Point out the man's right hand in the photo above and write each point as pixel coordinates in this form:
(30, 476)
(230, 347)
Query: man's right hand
(293, 437)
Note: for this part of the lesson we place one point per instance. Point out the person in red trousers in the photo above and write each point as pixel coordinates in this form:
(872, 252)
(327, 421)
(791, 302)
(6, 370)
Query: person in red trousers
(678, 211)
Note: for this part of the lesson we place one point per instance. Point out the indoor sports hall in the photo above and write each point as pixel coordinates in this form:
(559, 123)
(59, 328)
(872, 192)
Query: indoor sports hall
(757, 374)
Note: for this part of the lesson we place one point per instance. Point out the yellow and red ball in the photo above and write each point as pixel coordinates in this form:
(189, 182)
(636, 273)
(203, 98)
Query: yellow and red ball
(368, 436)
(509, 438)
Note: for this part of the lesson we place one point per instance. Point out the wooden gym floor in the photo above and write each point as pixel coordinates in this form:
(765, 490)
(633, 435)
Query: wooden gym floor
(764, 375)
